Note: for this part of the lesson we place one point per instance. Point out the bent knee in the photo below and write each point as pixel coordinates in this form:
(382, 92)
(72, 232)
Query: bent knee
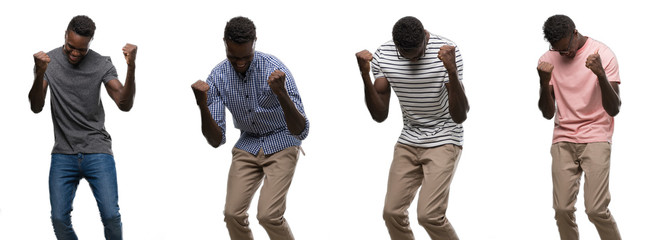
(431, 220)
(595, 214)
(270, 219)
(241, 218)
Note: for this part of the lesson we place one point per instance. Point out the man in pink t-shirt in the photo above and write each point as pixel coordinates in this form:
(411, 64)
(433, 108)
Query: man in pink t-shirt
(579, 87)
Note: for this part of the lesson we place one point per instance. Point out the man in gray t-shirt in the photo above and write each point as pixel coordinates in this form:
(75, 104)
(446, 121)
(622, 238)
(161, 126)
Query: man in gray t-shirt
(82, 147)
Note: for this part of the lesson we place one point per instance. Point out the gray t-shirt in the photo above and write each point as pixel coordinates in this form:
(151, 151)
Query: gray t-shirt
(76, 108)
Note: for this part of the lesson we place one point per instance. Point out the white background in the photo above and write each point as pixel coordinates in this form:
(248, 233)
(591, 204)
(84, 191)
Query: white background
(172, 184)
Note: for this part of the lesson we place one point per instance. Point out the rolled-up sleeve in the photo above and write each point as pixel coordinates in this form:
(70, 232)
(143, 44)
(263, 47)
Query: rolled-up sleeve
(215, 101)
(293, 92)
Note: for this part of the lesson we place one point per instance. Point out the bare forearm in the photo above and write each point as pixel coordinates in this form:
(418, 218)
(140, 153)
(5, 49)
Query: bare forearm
(128, 92)
(37, 95)
(295, 121)
(458, 104)
(611, 102)
(210, 129)
(546, 102)
(377, 107)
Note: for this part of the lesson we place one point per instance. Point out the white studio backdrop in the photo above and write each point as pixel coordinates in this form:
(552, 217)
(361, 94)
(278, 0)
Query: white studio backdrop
(172, 184)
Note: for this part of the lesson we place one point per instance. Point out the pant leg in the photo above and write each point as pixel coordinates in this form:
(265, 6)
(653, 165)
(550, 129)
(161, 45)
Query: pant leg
(63, 181)
(596, 164)
(566, 174)
(439, 166)
(404, 179)
(99, 171)
(243, 180)
(279, 170)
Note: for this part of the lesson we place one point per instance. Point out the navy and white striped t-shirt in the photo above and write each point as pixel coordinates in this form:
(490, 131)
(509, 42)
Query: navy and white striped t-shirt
(420, 87)
(255, 108)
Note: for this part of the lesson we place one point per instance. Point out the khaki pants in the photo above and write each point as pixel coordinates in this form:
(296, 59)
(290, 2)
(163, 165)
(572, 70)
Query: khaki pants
(431, 169)
(569, 160)
(246, 173)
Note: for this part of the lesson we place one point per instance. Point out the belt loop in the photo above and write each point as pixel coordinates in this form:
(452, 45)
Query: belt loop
(300, 150)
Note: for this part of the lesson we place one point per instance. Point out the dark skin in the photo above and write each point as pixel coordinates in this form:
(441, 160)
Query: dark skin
(609, 91)
(76, 48)
(240, 57)
(378, 95)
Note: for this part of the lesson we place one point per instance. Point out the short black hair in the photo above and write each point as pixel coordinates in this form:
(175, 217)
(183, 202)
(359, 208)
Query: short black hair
(82, 25)
(239, 30)
(408, 32)
(557, 27)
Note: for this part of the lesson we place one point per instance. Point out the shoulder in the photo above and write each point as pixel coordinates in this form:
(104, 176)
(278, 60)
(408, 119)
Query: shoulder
(97, 59)
(602, 48)
(55, 51)
(440, 40)
(221, 69)
(267, 59)
(548, 56)
(387, 46)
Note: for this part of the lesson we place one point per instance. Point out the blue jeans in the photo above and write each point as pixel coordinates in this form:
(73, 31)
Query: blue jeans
(65, 174)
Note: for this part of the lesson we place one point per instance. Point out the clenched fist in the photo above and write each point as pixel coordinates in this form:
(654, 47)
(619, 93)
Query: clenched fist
(130, 51)
(594, 63)
(200, 89)
(447, 56)
(41, 60)
(363, 58)
(276, 82)
(545, 71)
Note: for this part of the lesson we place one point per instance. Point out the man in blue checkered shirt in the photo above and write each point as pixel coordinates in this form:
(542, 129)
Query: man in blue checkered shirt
(264, 101)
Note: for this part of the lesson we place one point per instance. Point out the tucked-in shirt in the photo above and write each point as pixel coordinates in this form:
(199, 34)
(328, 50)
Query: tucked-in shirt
(420, 87)
(580, 116)
(76, 108)
(255, 109)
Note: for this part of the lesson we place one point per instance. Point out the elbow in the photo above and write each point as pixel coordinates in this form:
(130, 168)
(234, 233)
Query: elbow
(213, 141)
(548, 116)
(460, 115)
(459, 118)
(614, 112)
(379, 117)
(214, 144)
(126, 108)
(36, 109)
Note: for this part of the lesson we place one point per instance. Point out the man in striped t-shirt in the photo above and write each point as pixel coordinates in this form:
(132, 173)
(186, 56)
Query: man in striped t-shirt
(425, 71)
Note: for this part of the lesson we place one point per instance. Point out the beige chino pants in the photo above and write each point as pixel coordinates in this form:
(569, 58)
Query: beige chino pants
(569, 160)
(246, 173)
(432, 170)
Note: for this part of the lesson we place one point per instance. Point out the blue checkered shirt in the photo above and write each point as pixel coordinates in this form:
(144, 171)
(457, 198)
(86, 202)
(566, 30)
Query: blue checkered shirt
(255, 108)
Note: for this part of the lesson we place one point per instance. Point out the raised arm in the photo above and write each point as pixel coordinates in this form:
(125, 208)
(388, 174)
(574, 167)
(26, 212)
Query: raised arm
(123, 95)
(611, 100)
(377, 95)
(212, 132)
(296, 122)
(37, 93)
(458, 104)
(546, 102)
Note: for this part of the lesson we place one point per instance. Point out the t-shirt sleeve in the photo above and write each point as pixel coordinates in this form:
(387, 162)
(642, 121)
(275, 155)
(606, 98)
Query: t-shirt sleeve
(374, 64)
(111, 73)
(610, 64)
(545, 58)
(459, 64)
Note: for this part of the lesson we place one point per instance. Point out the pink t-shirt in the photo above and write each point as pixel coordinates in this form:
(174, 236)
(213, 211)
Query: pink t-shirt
(580, 117)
